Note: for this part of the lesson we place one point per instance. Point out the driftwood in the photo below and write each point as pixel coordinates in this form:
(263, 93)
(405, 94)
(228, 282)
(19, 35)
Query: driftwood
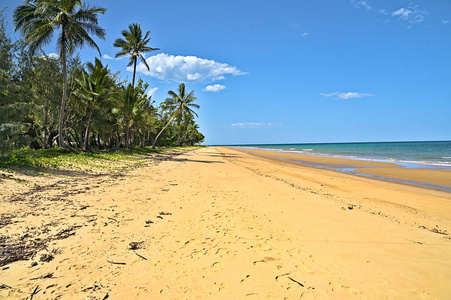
(295, 281)
(35, 291)
(116, 263)
(140, 255)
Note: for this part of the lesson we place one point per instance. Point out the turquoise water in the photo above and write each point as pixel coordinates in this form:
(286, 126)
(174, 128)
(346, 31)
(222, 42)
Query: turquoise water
(435, 154)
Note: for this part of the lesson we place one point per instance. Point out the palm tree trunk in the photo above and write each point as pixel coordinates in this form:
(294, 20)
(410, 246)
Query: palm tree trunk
(158, 135)
(63, 101)
(46, 130)
(85, 146)
(118, 145)
(134, 72)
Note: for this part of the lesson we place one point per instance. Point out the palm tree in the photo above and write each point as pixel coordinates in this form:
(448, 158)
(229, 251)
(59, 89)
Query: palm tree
(94, 88)
(177, 104)
(128, 107)
(134, 46)
(38, 20)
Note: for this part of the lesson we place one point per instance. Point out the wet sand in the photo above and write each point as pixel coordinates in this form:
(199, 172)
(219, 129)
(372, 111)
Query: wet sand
(381, 170)
(216, 223)
(440, 177)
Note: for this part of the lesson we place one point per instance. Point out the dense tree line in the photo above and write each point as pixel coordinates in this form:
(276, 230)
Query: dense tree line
(49, 100)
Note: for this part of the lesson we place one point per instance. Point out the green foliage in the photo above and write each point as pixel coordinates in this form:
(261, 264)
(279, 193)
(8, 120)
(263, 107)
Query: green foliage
(178, 105)
(14, 97)
(57, 158)
(134, 45)
(101, 112)
(39, 20)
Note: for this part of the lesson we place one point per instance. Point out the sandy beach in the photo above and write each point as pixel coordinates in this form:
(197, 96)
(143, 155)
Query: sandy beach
(415, 176)
(217, 223)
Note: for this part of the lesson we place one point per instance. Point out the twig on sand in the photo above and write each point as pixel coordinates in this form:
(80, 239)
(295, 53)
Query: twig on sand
(140, 255)
(35, 291)
(112, 219)
(4, 286)
(116, 263)
(48, 275)
(295, 281)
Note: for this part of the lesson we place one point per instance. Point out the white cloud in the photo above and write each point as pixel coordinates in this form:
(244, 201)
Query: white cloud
(51, 55)
(218, 78)
(348, 95)
(254, 125)
(384, 21)
(410, 15)
(361, 4)
(151, 92)
(445, 21)
(403, 13)
(193, 77)
(214, 88)
(186, 68)
(106, 56)
(305, 34)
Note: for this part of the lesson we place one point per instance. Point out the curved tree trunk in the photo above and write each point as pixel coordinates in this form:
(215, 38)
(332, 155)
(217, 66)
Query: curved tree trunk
(158, 135)
(127, 136)
(118, 145)
(85, 146)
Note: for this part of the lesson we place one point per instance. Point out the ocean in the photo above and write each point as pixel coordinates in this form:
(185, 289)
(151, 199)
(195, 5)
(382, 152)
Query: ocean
(435, 154)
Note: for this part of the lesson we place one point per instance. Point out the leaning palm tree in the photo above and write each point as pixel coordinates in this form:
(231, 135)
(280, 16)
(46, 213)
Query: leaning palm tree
(39, 20)
(134, 46)
(178, 104)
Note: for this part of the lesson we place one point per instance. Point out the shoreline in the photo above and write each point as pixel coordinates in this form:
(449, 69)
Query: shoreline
(218, 223)
(431, 178)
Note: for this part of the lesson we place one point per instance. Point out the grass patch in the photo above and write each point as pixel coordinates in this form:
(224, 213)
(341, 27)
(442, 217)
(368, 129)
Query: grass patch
(55, 158)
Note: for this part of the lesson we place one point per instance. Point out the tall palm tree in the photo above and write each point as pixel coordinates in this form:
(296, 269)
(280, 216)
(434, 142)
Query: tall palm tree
(178, 104)
(128, 108)
(134, 46)
(39, 20)
(95, 85)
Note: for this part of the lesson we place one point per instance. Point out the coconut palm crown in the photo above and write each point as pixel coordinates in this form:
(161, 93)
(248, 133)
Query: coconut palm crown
(75, 22)
(134, 45)
(178, 104)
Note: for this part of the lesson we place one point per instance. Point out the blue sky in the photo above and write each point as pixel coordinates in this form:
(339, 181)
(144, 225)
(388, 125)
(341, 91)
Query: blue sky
(295, 71)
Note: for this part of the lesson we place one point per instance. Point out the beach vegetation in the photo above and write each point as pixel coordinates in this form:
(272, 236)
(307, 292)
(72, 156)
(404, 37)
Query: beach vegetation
(179, 105)
(38, 21)
(50, 102)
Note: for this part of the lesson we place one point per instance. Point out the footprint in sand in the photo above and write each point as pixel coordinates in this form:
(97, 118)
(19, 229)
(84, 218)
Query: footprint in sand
(305, 269)
(336, 287)
(266, 259)
(294, 252)
(217, 266)
(260, 247)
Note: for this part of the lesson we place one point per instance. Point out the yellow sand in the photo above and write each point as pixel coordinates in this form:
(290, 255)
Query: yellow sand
(230, 225)
(441, 177)
(435, 176)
